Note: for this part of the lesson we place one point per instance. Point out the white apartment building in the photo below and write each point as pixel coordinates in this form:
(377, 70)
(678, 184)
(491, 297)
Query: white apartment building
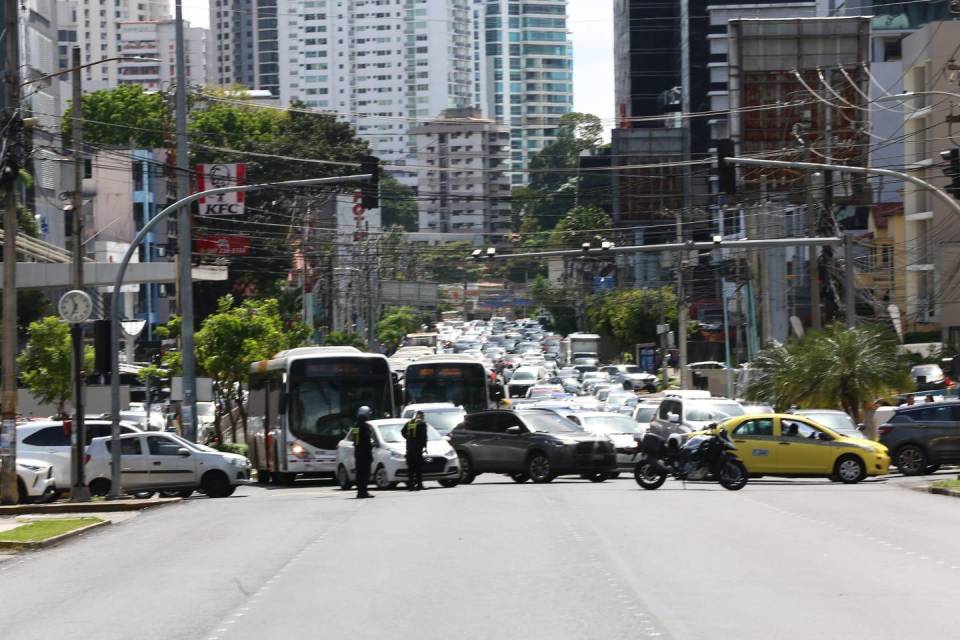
(463, 181)
(95, 27)
(157, 39)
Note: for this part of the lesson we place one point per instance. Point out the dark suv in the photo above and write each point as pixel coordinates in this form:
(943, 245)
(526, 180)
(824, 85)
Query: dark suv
(922, 437)
(530, 444)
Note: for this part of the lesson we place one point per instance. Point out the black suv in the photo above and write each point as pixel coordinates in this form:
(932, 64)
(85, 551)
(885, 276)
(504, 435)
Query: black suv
(922, 437)
(530, 444)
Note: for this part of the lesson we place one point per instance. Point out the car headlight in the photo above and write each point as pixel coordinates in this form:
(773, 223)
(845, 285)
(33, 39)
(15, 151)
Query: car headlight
(238, 462)
(397, 455)
(30, 467)
(450, 455)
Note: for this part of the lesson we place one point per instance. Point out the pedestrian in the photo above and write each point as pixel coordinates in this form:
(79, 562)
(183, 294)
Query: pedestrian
(363, 450)
(415, 433)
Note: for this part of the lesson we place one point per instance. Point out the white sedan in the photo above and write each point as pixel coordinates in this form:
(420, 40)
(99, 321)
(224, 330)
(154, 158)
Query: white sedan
(389, 465)
(35, 481)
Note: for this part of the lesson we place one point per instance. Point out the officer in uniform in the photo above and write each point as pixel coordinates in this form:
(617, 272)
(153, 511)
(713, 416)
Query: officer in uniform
(362, 434)
(415, 433)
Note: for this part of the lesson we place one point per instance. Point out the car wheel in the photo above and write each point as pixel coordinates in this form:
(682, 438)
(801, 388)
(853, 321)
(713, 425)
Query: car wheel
(519, 478)
(449, 484)
(382, 479)
(850, 469)
(911, 460)
(100, 487)
(22, 496)
(466, 468)
(343, 478)
(143, 495)
(263, 476)
(539, 468)
(216, 485)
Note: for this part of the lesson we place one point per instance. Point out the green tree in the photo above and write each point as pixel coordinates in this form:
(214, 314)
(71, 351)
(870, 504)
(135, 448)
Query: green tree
(124, 115)
(836, 368)
(579, 226)
(631, 316)
(345, 339)
(556, 300)
(233, 338)
(46, 363)
(395, 324)
(398, 207)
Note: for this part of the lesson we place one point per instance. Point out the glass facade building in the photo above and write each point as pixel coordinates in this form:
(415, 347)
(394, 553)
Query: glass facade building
(529, 70)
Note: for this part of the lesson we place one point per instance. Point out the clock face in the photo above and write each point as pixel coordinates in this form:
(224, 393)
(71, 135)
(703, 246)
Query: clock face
(75, 306)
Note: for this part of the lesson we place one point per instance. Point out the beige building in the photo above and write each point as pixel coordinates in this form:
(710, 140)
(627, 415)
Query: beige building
(462, 182)
(931, 273)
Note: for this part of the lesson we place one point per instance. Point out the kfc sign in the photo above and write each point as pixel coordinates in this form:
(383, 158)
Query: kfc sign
(213, 176)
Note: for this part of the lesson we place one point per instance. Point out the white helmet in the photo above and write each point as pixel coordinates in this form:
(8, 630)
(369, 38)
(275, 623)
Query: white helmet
(364, 412)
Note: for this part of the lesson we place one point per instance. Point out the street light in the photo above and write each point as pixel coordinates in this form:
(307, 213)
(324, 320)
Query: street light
(78, 67)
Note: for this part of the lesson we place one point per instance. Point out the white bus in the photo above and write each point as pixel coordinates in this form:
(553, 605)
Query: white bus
(303, 401)
(462, 380)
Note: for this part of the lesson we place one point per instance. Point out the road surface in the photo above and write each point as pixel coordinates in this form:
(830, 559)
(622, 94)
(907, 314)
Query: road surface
(573, 559)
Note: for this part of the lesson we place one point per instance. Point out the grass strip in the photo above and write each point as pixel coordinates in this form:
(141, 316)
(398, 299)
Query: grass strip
(40, 530)
(947, 484)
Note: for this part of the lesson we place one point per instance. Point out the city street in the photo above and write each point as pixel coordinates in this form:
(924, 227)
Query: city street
(572, 559)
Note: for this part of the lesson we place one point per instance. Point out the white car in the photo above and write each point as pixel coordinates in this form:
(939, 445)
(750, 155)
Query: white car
(164, 461)
(35, 481)
(620, 429)
(442, 416)
(47, 441)
(389, 464)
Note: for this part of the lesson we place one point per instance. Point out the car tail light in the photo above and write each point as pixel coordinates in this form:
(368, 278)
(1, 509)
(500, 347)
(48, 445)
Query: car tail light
(885, 429)
(948, 380)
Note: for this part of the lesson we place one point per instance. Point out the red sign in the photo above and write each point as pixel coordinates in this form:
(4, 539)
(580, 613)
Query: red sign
(222, 245)
(214, 176)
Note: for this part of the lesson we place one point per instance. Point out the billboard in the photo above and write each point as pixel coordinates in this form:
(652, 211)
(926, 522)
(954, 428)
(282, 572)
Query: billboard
(222, 246)
(213, 176)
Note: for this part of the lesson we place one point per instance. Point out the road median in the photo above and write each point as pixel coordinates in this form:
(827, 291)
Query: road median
(39, 534)
(96, 506)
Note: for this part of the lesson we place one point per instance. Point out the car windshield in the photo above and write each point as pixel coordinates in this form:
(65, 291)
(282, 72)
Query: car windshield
(927, 370)
(632, 368)
(712, 411)
(609, 424)
(392, 433)
(546, 422)
(205, 409)
(645, 414)
(839, 422)
(523, 375)
(196, 446)
(444, 421)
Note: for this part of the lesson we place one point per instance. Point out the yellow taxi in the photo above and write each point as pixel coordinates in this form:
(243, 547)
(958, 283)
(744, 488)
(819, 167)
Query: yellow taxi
(788, 445)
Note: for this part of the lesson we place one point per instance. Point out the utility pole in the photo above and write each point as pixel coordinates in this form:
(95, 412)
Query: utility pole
(814, 261)
(683, 311)
(78, 491)
(188, 415)
(11, 104)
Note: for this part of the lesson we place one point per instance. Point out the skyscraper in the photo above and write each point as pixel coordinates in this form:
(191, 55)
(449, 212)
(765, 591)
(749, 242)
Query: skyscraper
(529, 72)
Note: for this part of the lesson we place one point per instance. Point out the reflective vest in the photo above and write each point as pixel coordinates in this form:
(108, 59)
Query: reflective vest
(355, 434)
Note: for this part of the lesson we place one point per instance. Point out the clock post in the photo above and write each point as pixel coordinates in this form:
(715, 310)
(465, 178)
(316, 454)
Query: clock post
(75, 307)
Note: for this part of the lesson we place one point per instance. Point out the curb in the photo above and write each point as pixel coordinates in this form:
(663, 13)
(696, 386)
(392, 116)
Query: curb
(49, 542)
(103, 506)
(940, 491)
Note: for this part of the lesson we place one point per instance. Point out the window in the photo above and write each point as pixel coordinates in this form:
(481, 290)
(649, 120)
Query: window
(941, 413)
(797, 429)
(763, 427)
(128, 447)
(49, 437)
(160, 446)
(667, 408)
(486, 423)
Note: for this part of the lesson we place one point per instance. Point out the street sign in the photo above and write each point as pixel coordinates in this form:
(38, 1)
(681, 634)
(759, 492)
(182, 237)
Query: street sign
(213, 176)
(222, 245)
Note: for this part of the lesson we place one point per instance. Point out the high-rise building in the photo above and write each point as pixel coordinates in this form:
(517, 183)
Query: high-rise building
(157, 39)
(95, 27)
(463, 183)
(245, 40)
(529, 73)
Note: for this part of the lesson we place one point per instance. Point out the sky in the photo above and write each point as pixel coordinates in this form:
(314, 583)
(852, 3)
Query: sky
(591, 26)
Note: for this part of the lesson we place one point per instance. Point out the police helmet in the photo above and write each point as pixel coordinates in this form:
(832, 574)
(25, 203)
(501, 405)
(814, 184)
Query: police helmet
(364, 412)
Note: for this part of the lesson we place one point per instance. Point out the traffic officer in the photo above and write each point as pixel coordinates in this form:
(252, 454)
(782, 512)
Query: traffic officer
(362, 434)
(415, 433)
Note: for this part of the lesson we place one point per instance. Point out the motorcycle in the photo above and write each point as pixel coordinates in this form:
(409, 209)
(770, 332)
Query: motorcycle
(709, 456)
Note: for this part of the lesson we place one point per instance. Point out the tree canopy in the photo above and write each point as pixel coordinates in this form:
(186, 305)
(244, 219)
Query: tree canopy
(631, 315)
(395, 324)
(46, 363)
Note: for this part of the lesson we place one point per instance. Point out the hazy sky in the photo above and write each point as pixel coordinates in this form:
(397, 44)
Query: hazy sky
(591, 25)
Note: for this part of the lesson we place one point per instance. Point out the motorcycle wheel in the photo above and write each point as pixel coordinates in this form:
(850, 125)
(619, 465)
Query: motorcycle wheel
(733, 475)
(648, 476)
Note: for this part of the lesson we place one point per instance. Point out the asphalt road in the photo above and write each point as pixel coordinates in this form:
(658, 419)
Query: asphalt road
(784, 560)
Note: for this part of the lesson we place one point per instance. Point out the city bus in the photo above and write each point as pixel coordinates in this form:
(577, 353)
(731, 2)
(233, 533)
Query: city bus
(462, 380)
(304, 401)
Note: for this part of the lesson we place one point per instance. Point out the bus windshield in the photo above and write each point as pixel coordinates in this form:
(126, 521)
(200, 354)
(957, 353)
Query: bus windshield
(325, 395)
(462, 384)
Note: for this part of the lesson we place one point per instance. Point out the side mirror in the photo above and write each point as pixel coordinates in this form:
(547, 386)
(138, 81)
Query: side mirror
(674, 418)
(183, 452)
(514, 430)
(824, 436)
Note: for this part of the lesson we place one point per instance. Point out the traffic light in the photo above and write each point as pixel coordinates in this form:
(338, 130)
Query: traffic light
(101, 346)
(726, 173)
(371, 189)
(952, 170)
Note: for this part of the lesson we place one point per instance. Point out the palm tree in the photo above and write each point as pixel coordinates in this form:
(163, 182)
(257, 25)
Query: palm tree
(836, 368)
